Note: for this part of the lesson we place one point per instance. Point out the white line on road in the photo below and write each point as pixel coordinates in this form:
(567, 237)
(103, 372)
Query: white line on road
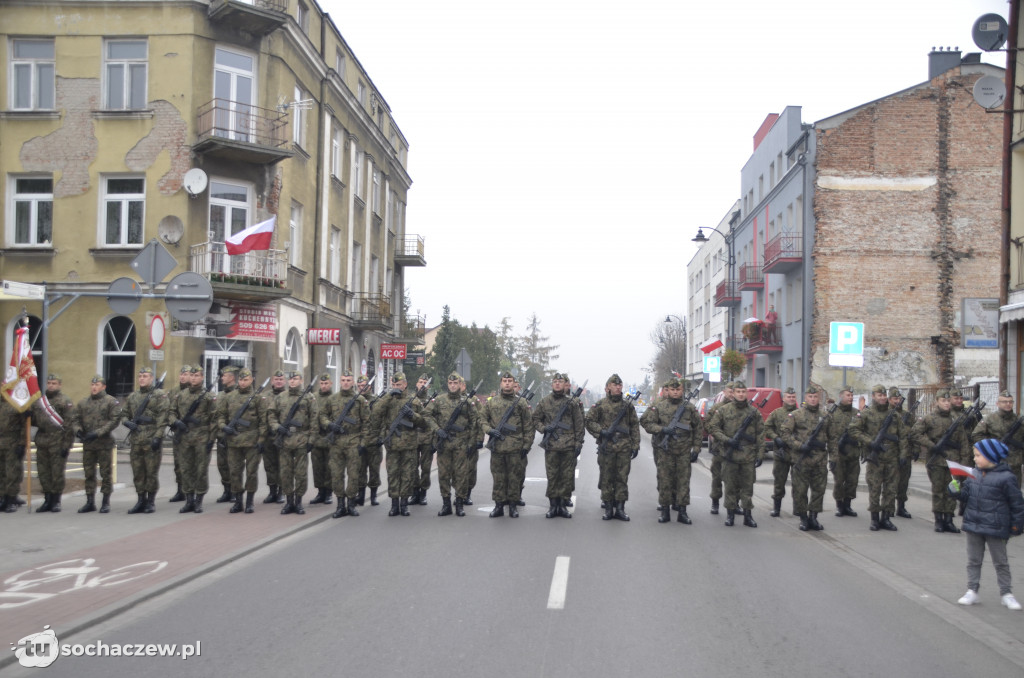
(559, 581)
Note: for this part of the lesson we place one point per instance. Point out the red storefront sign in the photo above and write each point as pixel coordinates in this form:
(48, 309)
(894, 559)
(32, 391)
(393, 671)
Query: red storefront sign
(328, 336)
(392, 351)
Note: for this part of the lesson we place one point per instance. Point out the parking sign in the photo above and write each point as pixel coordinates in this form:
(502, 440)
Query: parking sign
(846, 344)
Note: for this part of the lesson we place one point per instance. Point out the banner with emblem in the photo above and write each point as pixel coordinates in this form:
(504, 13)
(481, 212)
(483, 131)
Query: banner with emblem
(21, 385)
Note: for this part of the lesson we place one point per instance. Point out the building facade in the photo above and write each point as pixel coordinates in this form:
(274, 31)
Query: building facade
(1011, 288)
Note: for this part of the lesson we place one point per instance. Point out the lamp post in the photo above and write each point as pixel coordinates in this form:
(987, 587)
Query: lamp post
(730, 265)
(682, 324)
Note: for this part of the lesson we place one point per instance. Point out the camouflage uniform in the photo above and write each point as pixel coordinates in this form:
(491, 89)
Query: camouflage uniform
(969, 425)
(454, 451)
(368, 473)
(716, 458)
(295, 446)
(320, 455)
(401, 447)
(473, 458)
(810, 461)
(927, 433)
(147, 409)
(563, 445)
(845, 459)
(53, 443)
(673, 461)
(996, 425)
(349, 446)
(271, 454)
(424, 454)
(882, 474)
(739, 462)
(615, 453)
(223, 462)
(12, 454)
(905, 470)
(782, 457)
(94, 419)
(173, 396)
(507, 468)
(192, 435)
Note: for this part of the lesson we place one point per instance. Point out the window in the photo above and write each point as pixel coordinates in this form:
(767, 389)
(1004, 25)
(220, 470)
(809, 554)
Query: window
(337, 150)
(229, 214)
(124, 207)
(33, 69)
(298, 118)
(295, 235)
(125, 64)
(339, 63)
(33, 211)
(292, 358)
(302, 17)
(376, 190)
(334, 256)
(361, 94)
(771, 175)
(357, 269)
(357, 172)
(118, 356)
(374, 272)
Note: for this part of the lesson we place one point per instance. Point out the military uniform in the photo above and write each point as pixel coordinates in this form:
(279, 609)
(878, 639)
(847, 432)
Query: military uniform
(782, 458)
(12, 454)
(809, 459)
(424, 454)
(368, 472)
(229, 382)
(473, 458)
(145, 416)
(716, 458)
(678, 448)
(740, 459)
(905, 470)
(294, 447)
(844, 459)
(94, 419)
(508, 448)
(616, 450)
(927, 433)
(402, 445)
(184, 383)
(271, 454)
(969, 425)
(884, 459)
(997, 425)
(243, 440)
(53, 443)
(348, 446)
(455, 444)
(320, 455)
(563, 446)
(193, 418)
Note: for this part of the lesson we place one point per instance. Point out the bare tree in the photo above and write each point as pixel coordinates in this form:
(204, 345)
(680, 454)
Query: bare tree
(669, 339)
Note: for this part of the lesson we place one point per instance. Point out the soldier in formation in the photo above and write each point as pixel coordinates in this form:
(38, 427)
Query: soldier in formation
(738, 431)
(424, 448)
(320, 455)
(94, 420)
(228, 383)
(291, 419)
(941, 437)
(880, 432)
(782, 456)
(192, 421)
(510, 437)
(271, 453)
(473, 458)
(396, 421)
(716, 458)
(805, 435)
(53, 443)
(676, 430)
(896, 401)
(614, 423)
(1008, 428)
(239, 420)
(345, 420)
(458, 432)
(560, 421)
(12, 454)
(184, 383)
(368, 473)
(145, 417)
(844, 455)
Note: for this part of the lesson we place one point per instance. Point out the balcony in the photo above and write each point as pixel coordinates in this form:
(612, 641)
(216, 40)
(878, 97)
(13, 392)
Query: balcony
(371, 312)
(763, 338)
(751, 277)
(737, 343)
(409, 251)
(259, 275)
(727, 293)
(241, 132)
(783, 253)
(411, 330)
(255, 17)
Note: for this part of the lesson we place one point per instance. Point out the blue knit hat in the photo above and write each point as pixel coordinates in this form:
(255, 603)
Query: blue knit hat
(994, 450)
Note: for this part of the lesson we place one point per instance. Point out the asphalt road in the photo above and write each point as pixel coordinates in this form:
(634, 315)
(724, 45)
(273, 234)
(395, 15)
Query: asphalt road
(471, 597)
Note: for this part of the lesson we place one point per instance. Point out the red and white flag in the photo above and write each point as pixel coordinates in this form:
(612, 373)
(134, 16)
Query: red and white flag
(711, 346)
(961, 471)
(21, 383)
(256, 237)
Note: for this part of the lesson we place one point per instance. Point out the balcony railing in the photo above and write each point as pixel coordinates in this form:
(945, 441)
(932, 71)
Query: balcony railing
(783, 253)
(371, 312)
(255, 274)
(751, 277)
(257, 17)
(763, 337)
(409, 251)
(240, 131)
(412, 329)
(727, 293)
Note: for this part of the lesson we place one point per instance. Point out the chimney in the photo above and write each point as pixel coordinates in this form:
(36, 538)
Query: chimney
(941, 60)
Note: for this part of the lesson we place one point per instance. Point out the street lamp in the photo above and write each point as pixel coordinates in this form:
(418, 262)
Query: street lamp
(682, 323)
(729, 237)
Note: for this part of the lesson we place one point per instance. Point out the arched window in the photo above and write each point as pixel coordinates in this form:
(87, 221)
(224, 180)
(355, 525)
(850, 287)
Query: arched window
(119, 356)
(292, 359)
(333, 353)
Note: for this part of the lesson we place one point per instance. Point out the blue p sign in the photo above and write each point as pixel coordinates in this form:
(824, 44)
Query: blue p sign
(846, 344)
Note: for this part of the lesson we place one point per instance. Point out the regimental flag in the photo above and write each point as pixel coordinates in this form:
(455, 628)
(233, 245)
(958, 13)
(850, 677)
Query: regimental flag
(256, 237)
(711, 346)
(21, 386)
(961, 471)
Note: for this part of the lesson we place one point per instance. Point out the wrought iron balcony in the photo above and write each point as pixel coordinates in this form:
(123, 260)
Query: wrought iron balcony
(411, 330)
(259, 275)
(727, 293)
(751, 277)
(409, 251)
(241, 132)
(256, 17)
(783, 253)
(372, 312)
(763, 338)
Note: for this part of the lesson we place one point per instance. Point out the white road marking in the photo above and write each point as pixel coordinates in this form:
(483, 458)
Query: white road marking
(577, 474)
(559, 582)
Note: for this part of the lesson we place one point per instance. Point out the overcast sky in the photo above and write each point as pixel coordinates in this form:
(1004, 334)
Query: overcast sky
(563, 153)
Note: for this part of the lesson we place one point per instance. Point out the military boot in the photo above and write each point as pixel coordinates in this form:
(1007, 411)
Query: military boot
(190, 504)
(105, 505)
(874, 521)
(342, 509)
(90, 503)
(620, 511)
(403, 506)
(498, 510)
(804, 523)
(423, 496)
(227, 496)
(237, 506)
(3, 503)
(567, 501)
(901, 510)
(847, 510)
(55, 502)
(150, 507)
(553, 510)
(520, 502)
(248, 502)
(604, 504)
(513, 512)
(609, 510)
(319, 498)
(562, 511)
(664, 517)
(328, 496)
(289, 507)
(681, 517)
(748, 519)
(45, 506)
(459, 511)
(139, 505)
(298, 504)
(468, 501)
(394, 507)
(949, 526)
(885, 523)
(812, 522)
(730, 517)
(776, 507)
(351, 506)
(178, 496)
(271, 495)
(940, 521)
(446, 506)
(199, 503)
(373, 497)
(714, 507)
(12, 505)
(840, 508)
(361, 497)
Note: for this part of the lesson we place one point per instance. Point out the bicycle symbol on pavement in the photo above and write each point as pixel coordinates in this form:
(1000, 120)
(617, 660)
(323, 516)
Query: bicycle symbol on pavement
(66, 576)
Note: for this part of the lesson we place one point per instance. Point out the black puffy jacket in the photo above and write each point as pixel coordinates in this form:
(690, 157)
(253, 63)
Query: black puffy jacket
(994, 502)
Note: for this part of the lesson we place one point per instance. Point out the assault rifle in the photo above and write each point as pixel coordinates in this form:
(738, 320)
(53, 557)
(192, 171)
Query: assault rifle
(337, 427)
(237, 420)
(140, 414)
(939, 448)
(403, 420)
(883, 435)
(557, 424)
(503, 426)
(671, 431)
(913, 408)
(741, 433)
(616, 426)
(289, 422)
(812, 440)
(182, 426)
(451, 427)
(1008, 439)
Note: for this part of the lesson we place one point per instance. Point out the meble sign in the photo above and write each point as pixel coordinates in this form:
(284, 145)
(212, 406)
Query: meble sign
(323, 337)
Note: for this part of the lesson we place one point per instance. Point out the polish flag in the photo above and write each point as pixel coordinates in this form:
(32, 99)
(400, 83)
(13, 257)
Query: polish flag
(256, 237)
(961, 471)
(708, 348)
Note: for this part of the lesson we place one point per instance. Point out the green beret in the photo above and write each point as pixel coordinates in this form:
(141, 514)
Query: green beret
(878, 388)
(454, 376)
(955, 393)
(363, 379)
(294, 373)
(244, 372)
(1002, 394)
(790, 390)
(347, 373)
(673, 383)
(614, 379)
(279, 373)
(325, 376)
(894, 392)
(507, 375)
(560, 375)
(399, 376)
(229, 369)
(99, 379)
(730, 384)
(812, 390)
(185, 368)
(196, 369)
(145, 370)
(53, 376)
(739, 384)
(944, 393)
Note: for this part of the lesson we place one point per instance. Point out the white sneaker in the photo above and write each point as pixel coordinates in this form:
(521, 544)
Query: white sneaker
(971, 597)
(1010, 602)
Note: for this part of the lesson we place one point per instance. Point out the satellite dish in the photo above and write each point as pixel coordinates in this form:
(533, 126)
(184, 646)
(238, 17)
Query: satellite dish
(989, 32)
(989, 92)
(170, 229)
(194, 182)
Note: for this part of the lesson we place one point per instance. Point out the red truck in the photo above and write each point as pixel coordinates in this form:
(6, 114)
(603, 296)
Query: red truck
(765, 399)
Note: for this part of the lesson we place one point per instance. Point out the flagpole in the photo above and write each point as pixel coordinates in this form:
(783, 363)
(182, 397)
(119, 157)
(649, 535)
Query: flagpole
(28, 464)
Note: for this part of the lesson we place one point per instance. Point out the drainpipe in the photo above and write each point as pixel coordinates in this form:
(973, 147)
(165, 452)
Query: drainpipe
(1004, 251)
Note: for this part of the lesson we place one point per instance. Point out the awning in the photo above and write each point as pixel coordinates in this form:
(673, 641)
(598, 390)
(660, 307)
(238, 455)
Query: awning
(1011, 313)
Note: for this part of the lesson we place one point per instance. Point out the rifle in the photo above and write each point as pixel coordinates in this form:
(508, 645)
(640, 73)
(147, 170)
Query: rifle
(1007, 438)
(812, 440)
(740, 437)
(883, 435)
(503, 426)
(140, 417)
(556, 423)
(938, 449)
(669, 431)
(288, 423)
(616, 427)
(912, 408)
(342, 419)
(189, 417)
(400, 420)
(451, 427)
(237, 420)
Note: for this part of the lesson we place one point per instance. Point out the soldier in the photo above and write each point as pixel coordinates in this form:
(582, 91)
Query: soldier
(957, 407)
(883, 456)
(12, 454)
(676, 430)
(395, 423)
(998, 425)
(145, 417)
(193, 418)
(716, 458)
(345, 419)
(905, 470)
(943, 439)
(558, 418)
(473, 457)
(228, 383)
(616, 449)
(738, 431)
(271, 454)
(368, 473)
(244, 439)
(806, 438)
(53, 443)
(509, 446)
(782, 459)
(94, 419)
(320, 456)
(456, 440)
(184, 383)
(844, 455)
(294, 434)
(424, 449)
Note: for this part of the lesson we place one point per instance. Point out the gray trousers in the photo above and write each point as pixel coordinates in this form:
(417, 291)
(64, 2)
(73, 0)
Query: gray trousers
(976, 554)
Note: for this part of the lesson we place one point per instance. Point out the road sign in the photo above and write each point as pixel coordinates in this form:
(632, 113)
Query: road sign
(464, 364)
(155, 355)
(392, 351)
(125, 295)
(157, 333)
(846, 344)
(20, 290)
(713, 364)
(189, 297)
(153, 263)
